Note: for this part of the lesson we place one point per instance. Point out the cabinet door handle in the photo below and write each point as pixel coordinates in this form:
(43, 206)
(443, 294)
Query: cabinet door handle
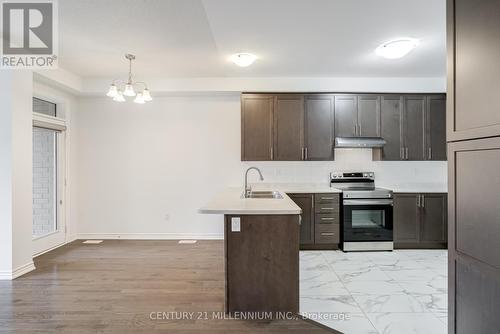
(327, 218)
(418, 201)
(430, 153)
(300, 220)
(359, 129)
(328, 233)
(402, 153)
(326, 208)
(327, 198)
(272, 153)
(406, 153)
(305, 153)
(423, 201)
(302, 152)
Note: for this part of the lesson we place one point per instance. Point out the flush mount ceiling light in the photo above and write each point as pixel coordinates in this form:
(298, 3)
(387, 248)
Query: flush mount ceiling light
(129, 87)
(243, 59)
(397, 48)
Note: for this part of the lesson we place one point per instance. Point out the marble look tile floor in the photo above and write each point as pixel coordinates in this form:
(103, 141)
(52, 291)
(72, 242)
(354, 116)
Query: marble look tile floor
(404, 291)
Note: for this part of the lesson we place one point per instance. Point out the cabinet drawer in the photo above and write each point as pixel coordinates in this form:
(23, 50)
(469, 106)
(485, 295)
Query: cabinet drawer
(327, 234)
(327, 219)
(326, 198)
(331, 208)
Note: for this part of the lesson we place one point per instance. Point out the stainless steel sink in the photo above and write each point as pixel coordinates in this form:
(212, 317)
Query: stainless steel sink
(264, 194)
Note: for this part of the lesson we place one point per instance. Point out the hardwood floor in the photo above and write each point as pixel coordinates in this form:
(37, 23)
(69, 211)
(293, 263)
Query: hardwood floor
(114, 287)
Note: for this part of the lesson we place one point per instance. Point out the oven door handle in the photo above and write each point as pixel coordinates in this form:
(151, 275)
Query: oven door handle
(350, 202)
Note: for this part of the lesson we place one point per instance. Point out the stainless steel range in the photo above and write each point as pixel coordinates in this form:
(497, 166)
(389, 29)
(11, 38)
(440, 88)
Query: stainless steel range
(367, 212)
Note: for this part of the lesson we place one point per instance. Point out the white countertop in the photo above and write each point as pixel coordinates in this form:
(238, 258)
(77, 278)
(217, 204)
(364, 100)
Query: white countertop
(296, 188)
(229, 201)
(417, 188)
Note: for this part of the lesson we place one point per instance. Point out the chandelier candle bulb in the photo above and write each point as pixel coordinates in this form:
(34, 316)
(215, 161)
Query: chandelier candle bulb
(113, 91)
(119, 97)
(139, 99)
(146, 95)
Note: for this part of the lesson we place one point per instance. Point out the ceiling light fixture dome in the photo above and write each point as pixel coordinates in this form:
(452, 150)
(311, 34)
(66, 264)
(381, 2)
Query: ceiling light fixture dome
(397, 48)
(243, 59)
(129, 90)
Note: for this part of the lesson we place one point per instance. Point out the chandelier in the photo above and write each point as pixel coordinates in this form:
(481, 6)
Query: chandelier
(118, 95)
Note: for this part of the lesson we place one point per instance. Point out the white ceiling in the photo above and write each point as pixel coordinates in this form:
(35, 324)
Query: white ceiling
(301, 38)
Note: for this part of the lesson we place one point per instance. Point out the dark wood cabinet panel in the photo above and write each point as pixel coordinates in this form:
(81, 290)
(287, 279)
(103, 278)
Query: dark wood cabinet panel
(346, 114)
(320, 229)
(296, 127)
(391, 115)
(305, 202)
(477, 297)
(256, 127)
(368, 116)
(319, 125)
(433, 228)
(436, 127)
(474, 26)
(262, 264)
(414, 127)
(420, 220)
(288, 127)
(406, 218)
(473, 113)
(477, 194)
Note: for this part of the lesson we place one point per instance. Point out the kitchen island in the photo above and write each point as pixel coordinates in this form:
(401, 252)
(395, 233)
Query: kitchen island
(261, 251)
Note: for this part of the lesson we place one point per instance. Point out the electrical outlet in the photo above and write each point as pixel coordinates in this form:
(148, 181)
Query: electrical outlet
(235, 224)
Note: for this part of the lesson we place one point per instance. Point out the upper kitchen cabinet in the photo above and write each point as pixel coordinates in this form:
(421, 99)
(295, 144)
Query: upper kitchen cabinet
(368, 116)
(346, 116)
(319, 125)
(357, 116)
(391, 114)
(257, 127)
(414, 127)
(473, 81)
(435, 135)
(288, 127)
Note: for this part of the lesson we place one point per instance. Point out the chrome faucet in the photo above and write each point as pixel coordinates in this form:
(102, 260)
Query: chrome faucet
(248, 189)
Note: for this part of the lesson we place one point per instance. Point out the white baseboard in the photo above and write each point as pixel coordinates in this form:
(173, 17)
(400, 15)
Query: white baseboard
(19, 271)
(152, 236)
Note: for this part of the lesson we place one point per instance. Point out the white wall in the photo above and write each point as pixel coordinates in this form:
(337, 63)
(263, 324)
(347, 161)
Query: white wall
(16, 89)
(144, 170)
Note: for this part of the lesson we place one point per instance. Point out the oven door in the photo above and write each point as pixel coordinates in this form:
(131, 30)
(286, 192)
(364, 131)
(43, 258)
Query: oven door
(367, 220)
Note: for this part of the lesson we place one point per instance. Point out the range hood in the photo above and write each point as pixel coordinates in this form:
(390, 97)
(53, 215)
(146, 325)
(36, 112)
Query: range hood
(359, 142)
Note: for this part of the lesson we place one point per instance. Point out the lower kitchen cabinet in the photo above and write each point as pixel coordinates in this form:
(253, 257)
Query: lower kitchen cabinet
(320, 224)
(305, 202)
(420, 220)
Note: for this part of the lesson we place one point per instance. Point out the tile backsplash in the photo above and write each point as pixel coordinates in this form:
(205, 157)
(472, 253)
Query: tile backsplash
(387, 173)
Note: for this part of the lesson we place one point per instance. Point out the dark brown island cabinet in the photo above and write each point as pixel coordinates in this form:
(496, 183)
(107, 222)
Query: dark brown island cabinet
(473, 124)
(295, 127)
(262, 263)
(420, 220)
(320, 223)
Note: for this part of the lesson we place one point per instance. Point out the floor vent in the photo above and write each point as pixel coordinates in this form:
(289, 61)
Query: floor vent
(92, 241)
(187, 241)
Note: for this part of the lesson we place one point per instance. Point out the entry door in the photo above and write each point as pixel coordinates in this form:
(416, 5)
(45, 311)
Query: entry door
(49, 229)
